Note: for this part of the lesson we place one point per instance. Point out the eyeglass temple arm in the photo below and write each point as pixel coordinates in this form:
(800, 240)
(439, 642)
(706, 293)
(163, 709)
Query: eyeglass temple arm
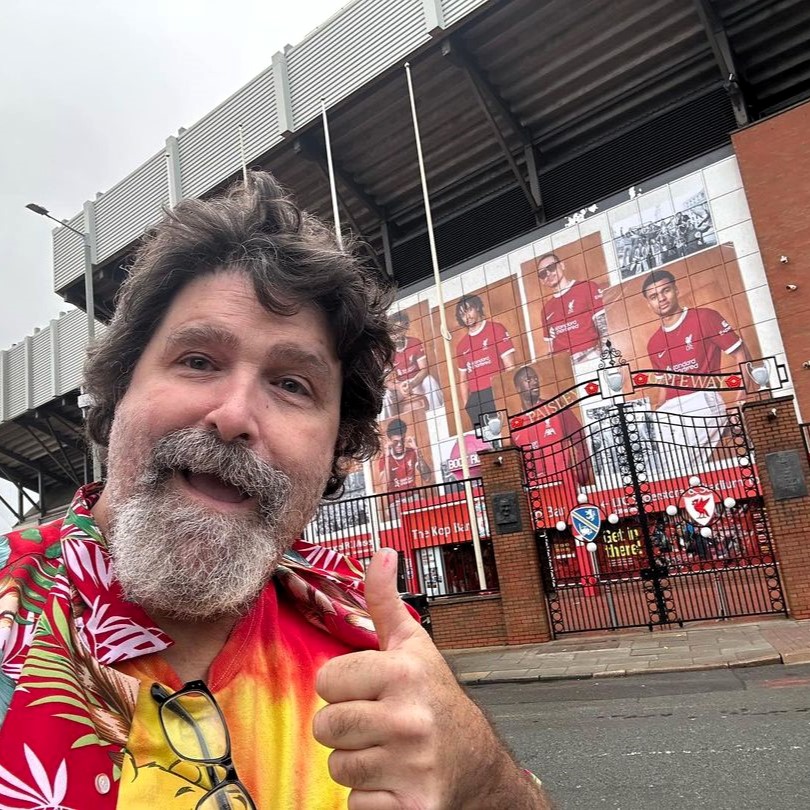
(161, 696)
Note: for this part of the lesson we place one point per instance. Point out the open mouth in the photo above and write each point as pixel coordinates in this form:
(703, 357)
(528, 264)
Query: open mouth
(213, 487)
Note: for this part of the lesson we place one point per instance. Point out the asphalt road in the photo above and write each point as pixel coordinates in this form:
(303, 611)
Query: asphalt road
(724, 739)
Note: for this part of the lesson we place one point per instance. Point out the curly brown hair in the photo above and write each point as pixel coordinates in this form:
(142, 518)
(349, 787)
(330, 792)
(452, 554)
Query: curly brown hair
(293, 260)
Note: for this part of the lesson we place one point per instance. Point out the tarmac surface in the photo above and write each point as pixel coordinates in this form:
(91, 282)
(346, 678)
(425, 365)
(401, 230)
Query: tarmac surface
(613, 654)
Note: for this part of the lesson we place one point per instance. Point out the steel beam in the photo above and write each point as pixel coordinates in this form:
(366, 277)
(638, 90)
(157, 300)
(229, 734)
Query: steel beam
(488, 100)
(74, 428)
(75, 442)
(60, 443)
(306, 149)
(308, 153)
(68, 471)
(734, 80)
(9, 476)
(11, 509)
(386, 241)
(31, 465)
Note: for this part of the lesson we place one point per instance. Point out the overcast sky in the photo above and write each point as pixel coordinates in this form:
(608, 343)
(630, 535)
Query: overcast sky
(91, 89)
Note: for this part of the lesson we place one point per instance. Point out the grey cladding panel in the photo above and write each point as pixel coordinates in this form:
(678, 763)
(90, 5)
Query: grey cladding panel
(68, 253)
(454, 10)
(71, 349)
(209, 151)
(41, 366)
(70, 353)
(129, 208)
(362, 41)
(17, 382)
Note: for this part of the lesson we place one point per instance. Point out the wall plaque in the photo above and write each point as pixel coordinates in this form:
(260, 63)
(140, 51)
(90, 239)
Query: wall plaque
(787, 476)
(507, 512)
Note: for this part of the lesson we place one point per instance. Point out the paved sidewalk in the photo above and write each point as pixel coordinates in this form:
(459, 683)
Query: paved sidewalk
(724, 644)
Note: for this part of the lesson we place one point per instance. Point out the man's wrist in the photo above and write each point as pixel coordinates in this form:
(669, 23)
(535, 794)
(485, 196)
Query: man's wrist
(508, 785)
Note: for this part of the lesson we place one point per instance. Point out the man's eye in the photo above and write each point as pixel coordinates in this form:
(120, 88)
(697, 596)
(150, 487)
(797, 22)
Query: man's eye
(197, 362)
(292, 386)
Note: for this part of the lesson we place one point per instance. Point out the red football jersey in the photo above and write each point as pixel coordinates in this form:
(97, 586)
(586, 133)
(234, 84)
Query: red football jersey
(693, 344)
(549, 435)
(406, 361)
(568, 318)
(481, 354)
(401, 469)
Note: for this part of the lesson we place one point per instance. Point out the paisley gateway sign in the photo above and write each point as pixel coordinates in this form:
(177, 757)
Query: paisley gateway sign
(645, 378)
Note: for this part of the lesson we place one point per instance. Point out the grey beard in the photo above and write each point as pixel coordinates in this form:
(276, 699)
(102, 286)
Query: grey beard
(173, 556)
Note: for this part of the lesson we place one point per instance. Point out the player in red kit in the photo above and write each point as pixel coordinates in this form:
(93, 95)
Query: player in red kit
(689, 341)
(402, 465)
(574, 317)
(484, 351)
(410, 379)
(556, 442)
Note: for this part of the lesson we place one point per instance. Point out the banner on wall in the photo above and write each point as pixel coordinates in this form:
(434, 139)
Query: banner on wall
(672, 277)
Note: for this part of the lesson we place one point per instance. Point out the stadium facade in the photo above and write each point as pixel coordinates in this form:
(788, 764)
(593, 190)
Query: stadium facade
(572, 149)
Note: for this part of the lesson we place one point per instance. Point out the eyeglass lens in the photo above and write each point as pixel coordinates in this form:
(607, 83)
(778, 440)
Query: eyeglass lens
(195, 727)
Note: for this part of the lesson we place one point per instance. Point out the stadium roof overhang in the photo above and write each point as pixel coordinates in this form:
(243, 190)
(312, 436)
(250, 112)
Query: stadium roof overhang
(42, 453)
(530, 110)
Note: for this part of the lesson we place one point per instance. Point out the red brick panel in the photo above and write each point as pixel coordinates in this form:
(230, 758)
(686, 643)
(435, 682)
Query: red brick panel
(473, 621)
(789, 520)
(775, 166)
(524, 604)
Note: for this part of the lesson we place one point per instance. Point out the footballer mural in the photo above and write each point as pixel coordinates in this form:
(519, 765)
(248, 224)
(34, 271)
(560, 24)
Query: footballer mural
(671, 276)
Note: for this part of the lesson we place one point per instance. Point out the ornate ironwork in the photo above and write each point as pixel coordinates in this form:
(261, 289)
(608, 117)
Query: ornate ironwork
(652, 565)
(610, 356)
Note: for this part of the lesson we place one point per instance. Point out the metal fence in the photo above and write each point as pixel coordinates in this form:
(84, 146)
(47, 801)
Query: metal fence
(429, 526)
(635, 475)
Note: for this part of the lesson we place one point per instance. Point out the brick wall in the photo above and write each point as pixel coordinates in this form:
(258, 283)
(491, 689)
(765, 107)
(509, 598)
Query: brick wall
(789, 519)
(775, 166)
(473, 621)
(518, 614)
(524, 604)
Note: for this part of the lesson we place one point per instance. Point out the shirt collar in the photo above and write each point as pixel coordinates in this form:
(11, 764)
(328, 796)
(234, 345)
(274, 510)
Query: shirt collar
(111, 628)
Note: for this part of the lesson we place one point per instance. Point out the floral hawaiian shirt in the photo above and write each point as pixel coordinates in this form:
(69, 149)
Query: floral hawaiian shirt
(72, 650)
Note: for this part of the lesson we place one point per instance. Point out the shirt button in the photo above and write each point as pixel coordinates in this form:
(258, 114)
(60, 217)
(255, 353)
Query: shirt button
(103, 783)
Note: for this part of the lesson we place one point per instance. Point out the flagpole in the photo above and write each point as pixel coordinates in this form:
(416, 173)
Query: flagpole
(242, 154)
(448, 351)
(332, 187)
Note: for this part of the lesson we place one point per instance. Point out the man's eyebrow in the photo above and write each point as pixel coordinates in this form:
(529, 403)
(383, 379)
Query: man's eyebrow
(195, 335)
(294, 356)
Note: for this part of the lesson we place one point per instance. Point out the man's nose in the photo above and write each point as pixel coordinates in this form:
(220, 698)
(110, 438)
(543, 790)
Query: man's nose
(233, 414)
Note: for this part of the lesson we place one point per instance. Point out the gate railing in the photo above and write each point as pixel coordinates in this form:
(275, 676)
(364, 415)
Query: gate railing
(651, 563)
(429, 526)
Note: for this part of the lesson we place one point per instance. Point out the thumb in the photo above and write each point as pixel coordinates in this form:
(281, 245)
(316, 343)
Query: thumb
(392, 621)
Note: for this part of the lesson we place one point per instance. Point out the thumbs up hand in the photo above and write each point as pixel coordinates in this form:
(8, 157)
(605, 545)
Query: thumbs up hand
(405, 735)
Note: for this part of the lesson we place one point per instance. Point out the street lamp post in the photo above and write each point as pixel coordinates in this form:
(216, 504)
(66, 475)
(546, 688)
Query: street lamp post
(88, 296)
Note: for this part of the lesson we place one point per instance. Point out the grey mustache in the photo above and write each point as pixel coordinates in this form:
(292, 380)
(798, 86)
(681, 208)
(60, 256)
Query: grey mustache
(200, 451)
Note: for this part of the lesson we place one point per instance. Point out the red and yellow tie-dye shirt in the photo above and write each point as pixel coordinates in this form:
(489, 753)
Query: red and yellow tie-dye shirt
(263, 680)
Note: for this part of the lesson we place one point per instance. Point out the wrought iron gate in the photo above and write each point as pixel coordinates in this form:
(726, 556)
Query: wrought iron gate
(610, 500)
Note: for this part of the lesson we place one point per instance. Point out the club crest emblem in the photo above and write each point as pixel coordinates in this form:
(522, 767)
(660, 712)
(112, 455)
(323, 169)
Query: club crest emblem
(585, 522)
(699, 503)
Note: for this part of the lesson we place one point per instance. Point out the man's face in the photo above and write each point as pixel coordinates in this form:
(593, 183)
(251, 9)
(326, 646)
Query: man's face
(399, 332)
(398, 443)
(471, 316)
(528, 386)
(258, 396)
(550, 272)
(663, 298)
